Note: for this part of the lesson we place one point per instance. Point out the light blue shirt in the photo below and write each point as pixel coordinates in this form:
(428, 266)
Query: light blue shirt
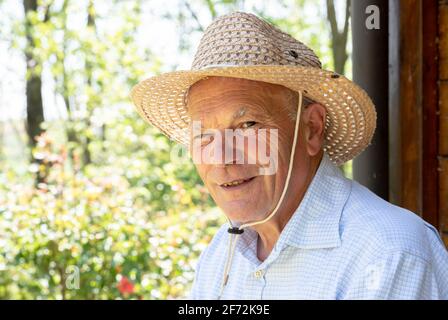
(343, 242)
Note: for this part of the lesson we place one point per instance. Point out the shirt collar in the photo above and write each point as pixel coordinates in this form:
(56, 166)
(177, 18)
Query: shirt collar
(315, 223)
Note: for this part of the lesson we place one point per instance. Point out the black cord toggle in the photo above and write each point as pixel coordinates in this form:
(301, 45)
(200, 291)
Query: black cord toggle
(235, 230)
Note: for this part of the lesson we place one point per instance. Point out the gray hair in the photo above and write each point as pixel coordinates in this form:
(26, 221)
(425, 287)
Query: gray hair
(293, 99)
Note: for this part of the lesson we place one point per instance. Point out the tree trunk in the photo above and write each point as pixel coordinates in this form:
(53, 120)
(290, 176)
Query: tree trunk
(34, 105)
(338, 38)
(87, 158)
(339, 48)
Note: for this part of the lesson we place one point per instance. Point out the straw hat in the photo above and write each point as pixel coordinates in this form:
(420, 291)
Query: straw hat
(241, 45)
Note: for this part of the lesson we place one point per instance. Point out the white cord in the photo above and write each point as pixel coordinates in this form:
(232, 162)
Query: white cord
(231, 246)
(233, 236)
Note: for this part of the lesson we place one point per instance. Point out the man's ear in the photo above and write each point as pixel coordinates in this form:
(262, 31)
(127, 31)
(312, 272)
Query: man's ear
(314, 123)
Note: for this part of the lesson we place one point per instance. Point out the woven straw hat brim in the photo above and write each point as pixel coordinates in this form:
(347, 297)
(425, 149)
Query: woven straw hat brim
(351, 115)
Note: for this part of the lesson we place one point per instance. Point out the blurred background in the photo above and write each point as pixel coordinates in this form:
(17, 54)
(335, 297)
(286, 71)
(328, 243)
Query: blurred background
(84, 182)
(91, 207)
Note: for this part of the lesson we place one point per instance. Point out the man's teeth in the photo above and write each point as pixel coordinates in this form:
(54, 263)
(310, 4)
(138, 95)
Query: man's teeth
(233, 183)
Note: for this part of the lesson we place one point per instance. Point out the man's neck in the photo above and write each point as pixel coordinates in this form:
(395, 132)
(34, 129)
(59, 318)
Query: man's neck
(269, 232)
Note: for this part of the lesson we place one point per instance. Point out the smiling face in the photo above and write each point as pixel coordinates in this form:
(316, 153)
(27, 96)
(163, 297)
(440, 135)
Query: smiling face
(228, 103)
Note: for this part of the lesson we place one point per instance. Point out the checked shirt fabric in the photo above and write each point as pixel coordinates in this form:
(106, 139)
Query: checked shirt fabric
(342, 242)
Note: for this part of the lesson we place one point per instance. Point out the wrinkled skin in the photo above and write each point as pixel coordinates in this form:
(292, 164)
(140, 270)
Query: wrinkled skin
(230, 103)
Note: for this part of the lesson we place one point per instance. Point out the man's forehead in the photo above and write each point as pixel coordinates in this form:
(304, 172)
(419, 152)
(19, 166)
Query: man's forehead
(233, 98)
(216, 87)
(238, 99)
(230, 112)
(214, 82)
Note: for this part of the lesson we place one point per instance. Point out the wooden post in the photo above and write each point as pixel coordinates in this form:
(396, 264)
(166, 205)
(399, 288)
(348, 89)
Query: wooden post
(370, 71)
(411, 104)
(430, 105)
(443, 119)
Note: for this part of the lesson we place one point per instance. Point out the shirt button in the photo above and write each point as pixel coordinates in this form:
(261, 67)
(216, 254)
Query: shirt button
(258, 274)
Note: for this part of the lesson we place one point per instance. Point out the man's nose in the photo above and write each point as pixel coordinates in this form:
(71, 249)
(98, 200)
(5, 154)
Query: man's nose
(230, 152)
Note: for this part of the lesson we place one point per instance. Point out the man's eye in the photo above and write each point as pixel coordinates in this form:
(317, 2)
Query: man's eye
(203, 139)
(248, 124)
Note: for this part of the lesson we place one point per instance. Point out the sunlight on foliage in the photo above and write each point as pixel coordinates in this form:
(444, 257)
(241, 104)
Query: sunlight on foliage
(97, 201)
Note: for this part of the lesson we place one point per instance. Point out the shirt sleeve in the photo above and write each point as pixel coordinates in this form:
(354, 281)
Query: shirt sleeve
(396, 276)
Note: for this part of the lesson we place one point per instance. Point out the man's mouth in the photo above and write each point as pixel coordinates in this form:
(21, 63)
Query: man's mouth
(237, 183)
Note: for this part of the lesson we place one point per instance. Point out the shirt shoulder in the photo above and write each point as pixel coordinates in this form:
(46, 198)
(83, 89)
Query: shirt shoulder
(218, 242)
(209, 266)
(380, 226)
(408, 249)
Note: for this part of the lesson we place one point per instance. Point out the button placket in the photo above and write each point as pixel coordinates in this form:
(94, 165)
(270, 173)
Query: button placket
(258, 283)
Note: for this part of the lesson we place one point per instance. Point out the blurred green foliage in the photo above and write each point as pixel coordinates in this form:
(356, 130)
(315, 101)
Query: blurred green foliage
(99, 197)
(130, 213)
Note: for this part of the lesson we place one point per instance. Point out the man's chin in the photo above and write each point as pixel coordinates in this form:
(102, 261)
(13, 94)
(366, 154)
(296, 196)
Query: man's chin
(241, 213)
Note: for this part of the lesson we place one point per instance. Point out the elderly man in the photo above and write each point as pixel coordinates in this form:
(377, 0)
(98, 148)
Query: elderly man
(299, 229)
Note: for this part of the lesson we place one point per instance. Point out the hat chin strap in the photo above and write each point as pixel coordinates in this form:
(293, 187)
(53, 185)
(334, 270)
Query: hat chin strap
(235, 231)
